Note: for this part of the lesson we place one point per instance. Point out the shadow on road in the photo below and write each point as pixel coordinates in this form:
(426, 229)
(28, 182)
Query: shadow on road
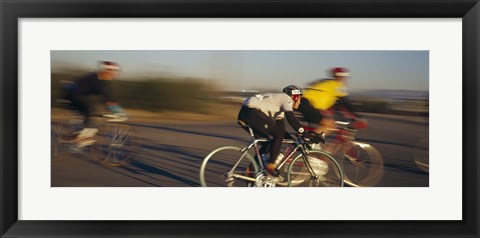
(174, 163)
(222, 136)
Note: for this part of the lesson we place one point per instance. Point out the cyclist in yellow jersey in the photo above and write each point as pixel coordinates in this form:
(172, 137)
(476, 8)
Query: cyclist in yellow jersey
(324, 94)
(320, 97)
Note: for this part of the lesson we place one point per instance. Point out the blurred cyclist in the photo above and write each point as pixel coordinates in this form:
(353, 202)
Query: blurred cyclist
(323, 96)
(96, 83)
(265, 114)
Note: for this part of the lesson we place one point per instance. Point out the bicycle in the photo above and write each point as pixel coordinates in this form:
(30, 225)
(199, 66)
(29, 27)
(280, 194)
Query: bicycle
(361, 162)
(234, 166)
(114, 143)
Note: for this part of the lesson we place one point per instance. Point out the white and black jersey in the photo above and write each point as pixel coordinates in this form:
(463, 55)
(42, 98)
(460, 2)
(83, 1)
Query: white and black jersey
(272, 104)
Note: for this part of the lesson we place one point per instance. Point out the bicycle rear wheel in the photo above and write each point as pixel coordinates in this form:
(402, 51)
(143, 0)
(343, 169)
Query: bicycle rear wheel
(115, 145)
(218, 168)
(326, 171)
(362, 164)
(57, 131)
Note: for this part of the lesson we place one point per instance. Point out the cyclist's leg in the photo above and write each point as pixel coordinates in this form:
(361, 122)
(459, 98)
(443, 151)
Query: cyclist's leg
(277, 133)
(85, 136)
(75, 104)
(265, 125)
(84, 109)
(326, 124)
(260, 123)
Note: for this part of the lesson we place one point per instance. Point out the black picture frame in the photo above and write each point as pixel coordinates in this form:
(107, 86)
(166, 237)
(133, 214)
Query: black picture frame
(11, 11)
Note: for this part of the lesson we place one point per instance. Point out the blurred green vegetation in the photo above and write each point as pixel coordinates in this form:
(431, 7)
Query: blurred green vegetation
(182, 94)
(154, 94)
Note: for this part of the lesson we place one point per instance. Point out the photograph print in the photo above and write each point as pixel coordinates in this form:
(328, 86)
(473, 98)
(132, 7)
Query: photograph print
(239, 118)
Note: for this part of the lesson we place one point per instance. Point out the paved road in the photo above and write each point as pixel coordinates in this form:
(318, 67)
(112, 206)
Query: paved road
(172, 152)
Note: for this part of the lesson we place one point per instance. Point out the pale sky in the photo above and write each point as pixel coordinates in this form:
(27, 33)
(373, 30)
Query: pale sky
(398, 70)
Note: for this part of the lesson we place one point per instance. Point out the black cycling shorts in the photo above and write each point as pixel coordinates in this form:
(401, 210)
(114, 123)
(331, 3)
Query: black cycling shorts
(266, 127)
(262, 125)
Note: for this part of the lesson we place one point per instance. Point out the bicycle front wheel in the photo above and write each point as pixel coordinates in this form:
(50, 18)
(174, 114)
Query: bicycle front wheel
(115, 145)
(318, 169)
(228, 166)
(362, 164)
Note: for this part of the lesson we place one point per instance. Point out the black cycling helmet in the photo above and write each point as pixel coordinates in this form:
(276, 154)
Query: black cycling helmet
(292, 90)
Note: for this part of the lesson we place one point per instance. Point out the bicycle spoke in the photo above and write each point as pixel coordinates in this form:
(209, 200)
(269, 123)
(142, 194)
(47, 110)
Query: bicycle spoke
(322, 170)
(115, 145)
(364, 165)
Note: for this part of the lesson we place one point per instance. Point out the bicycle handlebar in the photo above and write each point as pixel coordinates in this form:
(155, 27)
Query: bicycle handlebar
(112, 117)
(312, 137)
(116, 118)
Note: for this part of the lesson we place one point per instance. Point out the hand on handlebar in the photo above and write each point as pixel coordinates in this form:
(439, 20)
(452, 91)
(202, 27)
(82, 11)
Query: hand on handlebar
(312, 136)
(117, 110)
(118, 114)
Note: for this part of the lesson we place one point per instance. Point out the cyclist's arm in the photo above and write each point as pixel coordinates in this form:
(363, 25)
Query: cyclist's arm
(292, 120)
(109, 101)
(107, 94)
(345, 101)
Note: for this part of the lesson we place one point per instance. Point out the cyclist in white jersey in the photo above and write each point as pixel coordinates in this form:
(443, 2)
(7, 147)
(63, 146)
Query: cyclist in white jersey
(266, 113)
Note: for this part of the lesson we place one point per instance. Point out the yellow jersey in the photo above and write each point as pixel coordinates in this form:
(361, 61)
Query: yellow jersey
(325, 93)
